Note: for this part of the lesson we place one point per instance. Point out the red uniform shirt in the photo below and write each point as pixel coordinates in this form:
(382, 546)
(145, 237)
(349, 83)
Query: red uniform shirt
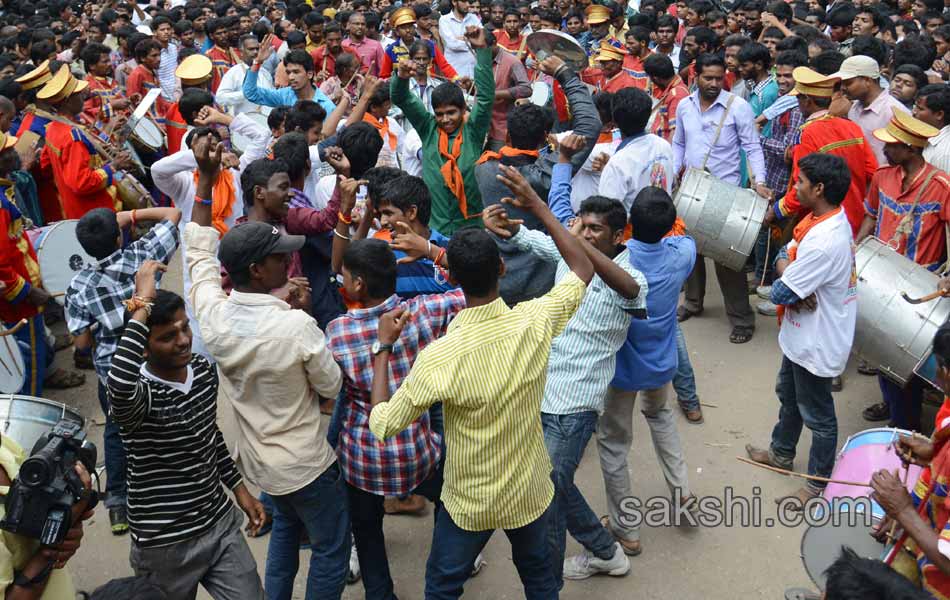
(613, 85)
(397, 51)
(221, 61)
(97, 110)
(517, 46)
(50, 205)
(19, 268)
(324, 61)
(79, 171)
(140, 81)
(633, 66)
(175, 128)
(664, 113)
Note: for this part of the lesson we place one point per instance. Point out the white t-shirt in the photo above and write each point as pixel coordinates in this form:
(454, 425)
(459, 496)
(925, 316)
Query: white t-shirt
(820, 340)
(643, 161)
(586, 182)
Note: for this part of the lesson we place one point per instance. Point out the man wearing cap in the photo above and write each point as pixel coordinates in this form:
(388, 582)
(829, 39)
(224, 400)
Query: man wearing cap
(872, 107)
(36, 117)
(404, 26)
(274, 366)
(828, 134)
(908, 206)
(712, 127)
(610, 77)
(452, 27)
(598, 20)
(82, 175)
(194, 73)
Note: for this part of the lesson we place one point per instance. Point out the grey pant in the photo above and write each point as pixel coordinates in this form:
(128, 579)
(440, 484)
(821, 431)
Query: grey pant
(219, 559)
(735, 293)
(614, 437)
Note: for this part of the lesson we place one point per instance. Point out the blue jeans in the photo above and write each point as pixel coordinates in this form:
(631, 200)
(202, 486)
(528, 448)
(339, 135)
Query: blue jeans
(566, 437)
(805, 400)
(904, 402)
(454, 550)
(684, 380)
(116, 487)
(320, 507)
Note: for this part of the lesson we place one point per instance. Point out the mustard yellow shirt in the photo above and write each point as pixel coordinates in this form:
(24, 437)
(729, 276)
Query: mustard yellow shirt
(489, 372)
(16, 550)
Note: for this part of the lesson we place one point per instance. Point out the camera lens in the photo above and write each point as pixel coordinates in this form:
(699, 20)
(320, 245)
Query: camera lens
(35, 472)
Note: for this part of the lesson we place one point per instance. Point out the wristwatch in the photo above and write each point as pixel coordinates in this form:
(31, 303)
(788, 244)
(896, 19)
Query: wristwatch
(376, 348)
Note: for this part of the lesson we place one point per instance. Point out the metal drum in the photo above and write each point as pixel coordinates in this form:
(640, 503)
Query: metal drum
(723, 219)
(147, 136)
(60, 256)
(240, 143)
(892, 334)
(27, 418)
(12, 368)
(861, 456)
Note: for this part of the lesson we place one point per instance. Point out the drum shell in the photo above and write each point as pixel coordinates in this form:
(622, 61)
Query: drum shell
(724, 219)
(60, 256)
(891, 333)
(132, 193)
(27, 418)
(147, 136)
(12, 367)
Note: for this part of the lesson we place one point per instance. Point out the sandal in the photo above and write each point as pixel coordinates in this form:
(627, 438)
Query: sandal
(684, 314)
(61, 379)
(877, 412)
(629, 547)
(741, 335)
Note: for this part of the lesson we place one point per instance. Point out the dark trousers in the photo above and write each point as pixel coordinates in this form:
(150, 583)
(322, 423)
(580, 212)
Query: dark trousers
(903, 402)
(805, 400)
(454, 550)
(735, 293)
(116, 488)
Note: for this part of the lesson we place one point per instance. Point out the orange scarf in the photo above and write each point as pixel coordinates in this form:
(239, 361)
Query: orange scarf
(798, 234)
(382, 128)
(605, 137)
(222, 199)
(450, 169)
(505, 151)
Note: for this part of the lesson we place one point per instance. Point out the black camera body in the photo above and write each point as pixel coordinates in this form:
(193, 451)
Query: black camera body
(41, 499)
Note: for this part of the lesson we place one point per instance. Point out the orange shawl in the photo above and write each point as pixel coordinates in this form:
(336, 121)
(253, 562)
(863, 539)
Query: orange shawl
(382, 128)
(798, 234)
(223, 197)
(605, 137)
(505, 151)
(450, 169)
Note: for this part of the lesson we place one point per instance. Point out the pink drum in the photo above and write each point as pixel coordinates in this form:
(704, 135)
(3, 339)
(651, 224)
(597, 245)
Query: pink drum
(861, 456)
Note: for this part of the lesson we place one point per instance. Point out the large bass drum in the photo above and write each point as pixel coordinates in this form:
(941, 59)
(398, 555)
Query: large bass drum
(724, 219)
(60, 256)
(892, 334)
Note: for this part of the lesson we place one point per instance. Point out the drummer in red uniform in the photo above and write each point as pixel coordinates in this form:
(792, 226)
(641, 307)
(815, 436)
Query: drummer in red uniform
(144, 77)
(81, 174)
(36, 117)
(610, 77)
(23, 296)
(194, 72)
(105, 100)
(908, 206)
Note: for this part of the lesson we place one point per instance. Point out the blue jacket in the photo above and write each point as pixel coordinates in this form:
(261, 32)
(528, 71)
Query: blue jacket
(280, 97)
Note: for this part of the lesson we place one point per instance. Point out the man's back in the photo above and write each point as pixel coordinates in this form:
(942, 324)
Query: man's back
(637, 163)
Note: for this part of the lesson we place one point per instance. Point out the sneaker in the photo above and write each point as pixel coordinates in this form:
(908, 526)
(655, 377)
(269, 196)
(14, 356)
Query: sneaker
(353, 574)
(119, 520)
(766, 308)
(478, 564)
(764, 291)
(586, 564)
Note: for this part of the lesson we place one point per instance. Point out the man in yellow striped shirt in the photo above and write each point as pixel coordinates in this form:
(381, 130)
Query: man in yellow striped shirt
(489, 372)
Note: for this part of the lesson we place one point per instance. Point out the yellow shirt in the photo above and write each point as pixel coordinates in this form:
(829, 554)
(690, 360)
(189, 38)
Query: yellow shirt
(489, 372)
(16, 550)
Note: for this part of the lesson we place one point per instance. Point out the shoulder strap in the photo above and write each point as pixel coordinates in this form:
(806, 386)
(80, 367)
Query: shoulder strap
(722, 122)
(906, 222)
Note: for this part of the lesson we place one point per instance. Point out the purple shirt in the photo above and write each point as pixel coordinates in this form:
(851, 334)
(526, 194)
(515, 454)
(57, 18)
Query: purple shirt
(370, 51)
(875, 116)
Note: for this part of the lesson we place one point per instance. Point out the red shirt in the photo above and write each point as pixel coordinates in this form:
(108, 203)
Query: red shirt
(633, 66)
(664, 120)
(221, 61)
(45, 188)
(175, 128)
(516, 46)
(324, 61)
(397, 50)
(613, 85)
(79, 171)
(19, 268)
(140, 81)
(97, 110)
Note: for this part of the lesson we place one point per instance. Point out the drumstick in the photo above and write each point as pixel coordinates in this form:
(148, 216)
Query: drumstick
(922, 299)
(893, 530)
(13, 329)
(801, 475)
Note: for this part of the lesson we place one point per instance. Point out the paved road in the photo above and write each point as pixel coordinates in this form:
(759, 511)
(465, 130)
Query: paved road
(708, 563)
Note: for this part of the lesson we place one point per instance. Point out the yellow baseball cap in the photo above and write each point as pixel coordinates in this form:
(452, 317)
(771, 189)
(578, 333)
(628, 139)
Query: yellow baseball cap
(402, 16)
(194, 70)
(812, 83)
(905, 129)
(35, 78)
(61, 86)
(597, 14)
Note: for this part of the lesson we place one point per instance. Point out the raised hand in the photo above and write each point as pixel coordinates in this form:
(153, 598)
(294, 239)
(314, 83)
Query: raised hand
(551, 65)
(599, 162)
(405, 68)
(348, 190)
(571, 145)
(525, 196)
(337, 160)
(391, 325)
(145, 278)
(208, 155)
(411, 243)
(266, 49)
(476, 37)
(495, 219)
(211, 116)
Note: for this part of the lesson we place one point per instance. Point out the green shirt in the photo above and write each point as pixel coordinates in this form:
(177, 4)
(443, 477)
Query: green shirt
(446, 214)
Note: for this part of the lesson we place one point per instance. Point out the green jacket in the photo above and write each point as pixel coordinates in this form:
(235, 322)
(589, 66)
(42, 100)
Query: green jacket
(446, 215)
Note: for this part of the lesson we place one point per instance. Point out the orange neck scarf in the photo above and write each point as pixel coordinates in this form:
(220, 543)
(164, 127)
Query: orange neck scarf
(223, 197)
(605, 137)
(450, 169)
(383, 128)
(505, 151)
(798, 234)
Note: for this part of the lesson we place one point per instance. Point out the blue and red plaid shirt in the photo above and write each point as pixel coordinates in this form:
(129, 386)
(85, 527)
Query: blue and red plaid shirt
(396, 466)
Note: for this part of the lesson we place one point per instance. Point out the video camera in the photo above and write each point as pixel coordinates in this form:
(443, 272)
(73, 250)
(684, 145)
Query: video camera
(41, 499)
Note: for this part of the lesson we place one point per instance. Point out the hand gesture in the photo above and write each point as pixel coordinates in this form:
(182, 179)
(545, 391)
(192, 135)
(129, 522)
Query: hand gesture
(405, 68)
(890, 492)
(391, 325)
(944, 285)
(122, 161)
(119, 103)
(252, 507)
(348, 189)
(145, 278)
(135, 99)
(496, 220)
(809, 304)
(320, 77)
(599, 162)
(571, 145)
(211, 116)
(476, 37)
(763, 190)
(550, 65)
(914, 450)
(29, 158)
(300, 294)
(230, 160)
(208, 157)
(266, 49)
(406, 240)
(465, 82)
(525, 196)
(337, 160)
(370, 84)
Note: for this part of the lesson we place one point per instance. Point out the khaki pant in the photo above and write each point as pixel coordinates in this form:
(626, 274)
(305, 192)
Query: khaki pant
(735, 293)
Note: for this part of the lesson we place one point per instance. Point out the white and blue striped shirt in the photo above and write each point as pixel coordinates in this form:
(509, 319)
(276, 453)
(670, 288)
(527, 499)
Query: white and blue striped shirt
(166, 71)
(583, 357)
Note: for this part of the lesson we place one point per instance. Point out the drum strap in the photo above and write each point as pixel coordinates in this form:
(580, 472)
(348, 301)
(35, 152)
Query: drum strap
(907, 221)
(722, 122)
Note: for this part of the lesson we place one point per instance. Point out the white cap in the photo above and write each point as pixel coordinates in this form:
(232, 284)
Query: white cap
(858, 66)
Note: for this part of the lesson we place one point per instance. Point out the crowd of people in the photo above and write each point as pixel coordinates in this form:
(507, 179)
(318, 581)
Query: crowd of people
(378, 204)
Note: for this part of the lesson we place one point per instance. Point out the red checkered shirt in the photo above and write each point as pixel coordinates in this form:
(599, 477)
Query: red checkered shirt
(396, 466)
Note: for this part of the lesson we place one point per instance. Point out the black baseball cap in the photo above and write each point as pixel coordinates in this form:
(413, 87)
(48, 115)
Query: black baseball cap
(249, 243)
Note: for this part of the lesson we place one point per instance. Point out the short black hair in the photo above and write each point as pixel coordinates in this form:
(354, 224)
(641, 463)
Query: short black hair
(299, 57)
(753, 53)
(295, 38)
(528, 125)
(257, 174)
(183, 26)
(667, 20)
(914, 72)
(380, 96)
(793, 42)
(361, 144)
(303, 119)
(610, 209)
(164, 307)
(830, 170)
(915, 50)
(139, 588)
(474, 261)
(144, 47)
(736, 39)
(603, 102)
(872, 47)
(377, 177)
(448, 94)
(192, 101)
(774, 33)
(936, 97)
(841, 17)
(704, 36)
(791, 58)
(659, 66)
(852, 577)
(708, 59)
(374, 262)
(161, 20)
(404, 192)
(652, 215)
(631, 110)
(877, 17)
(277, 117)
(97, 232)
(293, 149)
(828, 62)
(419, 46)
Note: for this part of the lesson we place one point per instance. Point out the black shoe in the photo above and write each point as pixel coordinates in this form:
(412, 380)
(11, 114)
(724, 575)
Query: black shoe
(119, 519)
(877, 412)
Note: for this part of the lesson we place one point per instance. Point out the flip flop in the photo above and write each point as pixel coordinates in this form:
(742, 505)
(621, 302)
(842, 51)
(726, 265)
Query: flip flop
(61, 379)
(684, 314)
(741, 335)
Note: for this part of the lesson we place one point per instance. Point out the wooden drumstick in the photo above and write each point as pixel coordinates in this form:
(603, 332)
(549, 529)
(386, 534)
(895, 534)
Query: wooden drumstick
(14, 329)
(801, 475)
(893, 529)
